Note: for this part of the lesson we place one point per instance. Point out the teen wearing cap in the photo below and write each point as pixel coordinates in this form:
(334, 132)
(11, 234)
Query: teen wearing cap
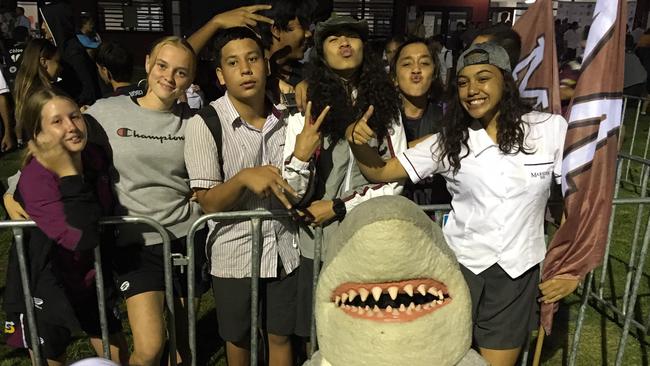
(499, 159)
(345, 75)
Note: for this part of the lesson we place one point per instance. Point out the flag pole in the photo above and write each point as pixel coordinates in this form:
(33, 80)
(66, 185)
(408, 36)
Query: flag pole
(538, 346)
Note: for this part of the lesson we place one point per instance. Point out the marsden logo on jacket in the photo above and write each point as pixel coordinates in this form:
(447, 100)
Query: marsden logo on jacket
(127, 132)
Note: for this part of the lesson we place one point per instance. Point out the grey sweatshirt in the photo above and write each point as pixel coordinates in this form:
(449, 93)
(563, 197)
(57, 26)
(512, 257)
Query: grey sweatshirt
(149, 175)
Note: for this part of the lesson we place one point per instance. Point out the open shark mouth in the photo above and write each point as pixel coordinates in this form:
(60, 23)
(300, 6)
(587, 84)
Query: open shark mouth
(391, 301)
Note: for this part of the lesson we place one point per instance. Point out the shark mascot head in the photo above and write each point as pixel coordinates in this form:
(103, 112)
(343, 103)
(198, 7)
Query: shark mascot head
(391, 291)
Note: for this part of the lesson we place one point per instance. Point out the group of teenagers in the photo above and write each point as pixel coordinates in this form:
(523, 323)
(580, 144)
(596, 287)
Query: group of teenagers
(360, 133)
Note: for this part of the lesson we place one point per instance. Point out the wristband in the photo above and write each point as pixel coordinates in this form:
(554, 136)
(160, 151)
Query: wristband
(339, 208)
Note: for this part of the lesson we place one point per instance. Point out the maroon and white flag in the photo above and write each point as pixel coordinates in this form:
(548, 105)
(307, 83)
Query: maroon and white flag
(537, 72)
(590, 150)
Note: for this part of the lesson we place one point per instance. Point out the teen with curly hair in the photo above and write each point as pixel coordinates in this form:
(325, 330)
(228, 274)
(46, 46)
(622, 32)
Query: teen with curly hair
(346, 76)
(499, 160)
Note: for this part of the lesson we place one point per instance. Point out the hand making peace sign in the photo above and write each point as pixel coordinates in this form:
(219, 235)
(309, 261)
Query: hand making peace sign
(309, 139)
(244, 16)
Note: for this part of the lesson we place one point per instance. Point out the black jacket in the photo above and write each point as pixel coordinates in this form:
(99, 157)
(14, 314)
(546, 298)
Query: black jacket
(58, 276)
(79, 74)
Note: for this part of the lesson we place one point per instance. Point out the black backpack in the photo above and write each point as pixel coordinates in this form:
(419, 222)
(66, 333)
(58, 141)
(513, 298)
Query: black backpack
(211, 119)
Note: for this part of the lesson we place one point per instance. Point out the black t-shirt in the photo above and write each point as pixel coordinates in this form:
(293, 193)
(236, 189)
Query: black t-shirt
(411, 127)
(11, 63)
(431, 190)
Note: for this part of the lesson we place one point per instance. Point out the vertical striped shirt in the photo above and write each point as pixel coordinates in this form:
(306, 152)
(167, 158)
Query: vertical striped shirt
(244, 146)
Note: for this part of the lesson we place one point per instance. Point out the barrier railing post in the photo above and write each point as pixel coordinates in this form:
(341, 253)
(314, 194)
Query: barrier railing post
(27, 293)
(629, 314)
(256, 230)
(169, 298)
(101, 302)
(581, 316)
(610, 229)
(191, 292)
(635, 240)
(631, 151)
(167, 266)
(318, 247)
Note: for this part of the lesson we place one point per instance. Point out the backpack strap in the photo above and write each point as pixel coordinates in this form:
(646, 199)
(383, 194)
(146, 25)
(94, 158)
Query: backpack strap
(211, 119)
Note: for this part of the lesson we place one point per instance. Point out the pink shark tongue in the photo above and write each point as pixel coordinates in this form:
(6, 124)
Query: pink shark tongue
(391, 301)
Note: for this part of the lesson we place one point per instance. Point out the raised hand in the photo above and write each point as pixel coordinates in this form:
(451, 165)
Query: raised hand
(266, 180)
(309, 139)
(51, 153)
(241, 17)
(359, 133)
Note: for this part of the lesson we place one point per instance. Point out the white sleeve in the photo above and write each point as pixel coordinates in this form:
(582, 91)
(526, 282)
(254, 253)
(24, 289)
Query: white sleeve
(420, 161)
(296, 172)
(3, 84)
(561, 128)
(395, 144)
(201, 156)
(12, 183)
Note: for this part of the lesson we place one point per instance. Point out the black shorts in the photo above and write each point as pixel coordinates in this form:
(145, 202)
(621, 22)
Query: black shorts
(56, 338)
(304, 297)
(504, 310)
(140, 268)
(277, 305)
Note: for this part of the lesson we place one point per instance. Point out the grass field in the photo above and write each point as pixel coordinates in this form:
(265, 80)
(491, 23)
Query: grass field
(601, 331)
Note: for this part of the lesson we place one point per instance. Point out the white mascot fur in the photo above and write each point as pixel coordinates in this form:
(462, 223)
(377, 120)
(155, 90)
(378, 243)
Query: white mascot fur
(391, 292)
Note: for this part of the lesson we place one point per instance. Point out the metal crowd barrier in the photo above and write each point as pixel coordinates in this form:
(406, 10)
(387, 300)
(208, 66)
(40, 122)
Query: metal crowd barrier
(637, 128)
(255, 218)
(637, 256)
(633, 278)
(19, 226)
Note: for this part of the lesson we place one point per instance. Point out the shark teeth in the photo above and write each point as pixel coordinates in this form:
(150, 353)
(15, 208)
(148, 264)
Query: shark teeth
(392, 291)
(408, 289)
(391, 300)
(376, 293)
(363, 294)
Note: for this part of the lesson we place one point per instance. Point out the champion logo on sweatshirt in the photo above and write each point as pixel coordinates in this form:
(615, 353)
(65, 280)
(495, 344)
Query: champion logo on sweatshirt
(127, 132)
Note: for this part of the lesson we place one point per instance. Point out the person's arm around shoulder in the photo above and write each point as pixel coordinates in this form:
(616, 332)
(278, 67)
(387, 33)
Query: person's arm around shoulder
(14, 210)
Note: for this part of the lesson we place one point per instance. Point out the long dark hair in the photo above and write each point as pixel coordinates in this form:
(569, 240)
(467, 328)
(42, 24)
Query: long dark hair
(510, 126)
(436, 90)
(31, 74)
(373, 88)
